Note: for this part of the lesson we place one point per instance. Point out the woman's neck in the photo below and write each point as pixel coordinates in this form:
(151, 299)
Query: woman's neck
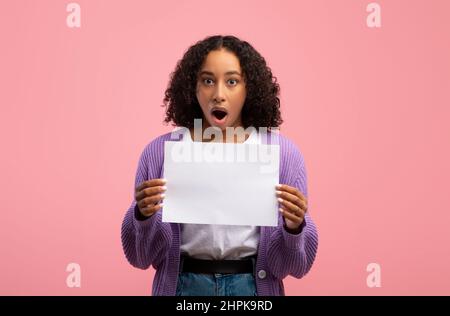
(239, 137)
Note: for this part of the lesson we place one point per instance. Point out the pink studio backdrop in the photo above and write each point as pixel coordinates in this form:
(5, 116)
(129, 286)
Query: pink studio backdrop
(368, 107)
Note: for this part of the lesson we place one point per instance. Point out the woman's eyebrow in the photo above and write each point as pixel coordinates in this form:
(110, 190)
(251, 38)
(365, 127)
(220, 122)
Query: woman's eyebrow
(231, 72)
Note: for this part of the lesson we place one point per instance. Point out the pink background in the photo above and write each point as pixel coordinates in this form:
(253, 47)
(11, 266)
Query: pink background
(369, 109)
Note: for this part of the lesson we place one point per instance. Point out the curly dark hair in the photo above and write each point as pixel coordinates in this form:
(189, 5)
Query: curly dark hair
(262, 105)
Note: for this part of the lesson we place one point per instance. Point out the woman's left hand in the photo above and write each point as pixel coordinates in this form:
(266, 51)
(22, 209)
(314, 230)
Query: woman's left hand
(293, 205)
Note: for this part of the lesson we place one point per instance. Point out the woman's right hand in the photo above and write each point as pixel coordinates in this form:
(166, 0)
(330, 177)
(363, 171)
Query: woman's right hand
(148, 196)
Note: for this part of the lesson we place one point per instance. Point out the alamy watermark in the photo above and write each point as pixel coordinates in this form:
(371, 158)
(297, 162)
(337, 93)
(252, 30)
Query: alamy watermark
(374, 277)
(73, 19)
(74, 277)
(226, 150)
(373, 20)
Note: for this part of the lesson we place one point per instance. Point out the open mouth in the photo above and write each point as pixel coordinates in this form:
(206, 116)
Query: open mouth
(219, 114)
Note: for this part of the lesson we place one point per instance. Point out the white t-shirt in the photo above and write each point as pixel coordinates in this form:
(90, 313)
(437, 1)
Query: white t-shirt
(219, 242)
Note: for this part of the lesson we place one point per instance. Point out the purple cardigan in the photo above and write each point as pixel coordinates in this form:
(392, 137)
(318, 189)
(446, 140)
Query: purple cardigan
(280, 253)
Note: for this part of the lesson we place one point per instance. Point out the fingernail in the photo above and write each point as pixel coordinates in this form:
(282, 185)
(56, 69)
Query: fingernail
(278, 192)
(163, 195)
(164, 188)
(280, 200)
(281, 210)
(278, 186)
(164, 180)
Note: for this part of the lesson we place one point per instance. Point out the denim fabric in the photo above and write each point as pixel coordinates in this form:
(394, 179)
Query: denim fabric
(196, 284)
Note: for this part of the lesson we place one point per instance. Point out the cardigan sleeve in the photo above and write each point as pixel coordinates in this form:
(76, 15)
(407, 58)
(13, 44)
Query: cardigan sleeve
(146, 242)
(293, 254)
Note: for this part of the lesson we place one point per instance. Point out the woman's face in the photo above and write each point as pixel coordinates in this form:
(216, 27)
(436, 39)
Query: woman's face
(221, 90)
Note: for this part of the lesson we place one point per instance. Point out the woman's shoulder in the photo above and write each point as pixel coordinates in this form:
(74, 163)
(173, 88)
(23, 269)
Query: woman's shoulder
(292, 161)
(286, 144)
(156, 145)
(290, 151)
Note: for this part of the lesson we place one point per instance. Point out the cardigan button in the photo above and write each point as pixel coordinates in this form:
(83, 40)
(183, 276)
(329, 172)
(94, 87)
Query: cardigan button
(262, 274)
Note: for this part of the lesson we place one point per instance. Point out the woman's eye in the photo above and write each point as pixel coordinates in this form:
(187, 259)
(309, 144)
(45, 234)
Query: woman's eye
(207, 81)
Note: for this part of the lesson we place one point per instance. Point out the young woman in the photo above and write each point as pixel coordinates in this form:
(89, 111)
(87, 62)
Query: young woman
(225, 82)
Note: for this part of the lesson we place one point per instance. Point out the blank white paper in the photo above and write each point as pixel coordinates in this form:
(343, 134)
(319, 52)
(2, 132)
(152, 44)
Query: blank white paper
(221, 183)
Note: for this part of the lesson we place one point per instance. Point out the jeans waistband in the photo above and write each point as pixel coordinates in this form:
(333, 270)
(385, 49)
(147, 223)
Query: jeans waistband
(245, 265)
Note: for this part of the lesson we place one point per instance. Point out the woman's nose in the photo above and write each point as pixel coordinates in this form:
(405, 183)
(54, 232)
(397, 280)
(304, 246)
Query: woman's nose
(219, 94)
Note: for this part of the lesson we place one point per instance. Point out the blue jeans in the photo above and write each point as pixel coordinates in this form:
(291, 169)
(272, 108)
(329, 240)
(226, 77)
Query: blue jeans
(196, 284)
